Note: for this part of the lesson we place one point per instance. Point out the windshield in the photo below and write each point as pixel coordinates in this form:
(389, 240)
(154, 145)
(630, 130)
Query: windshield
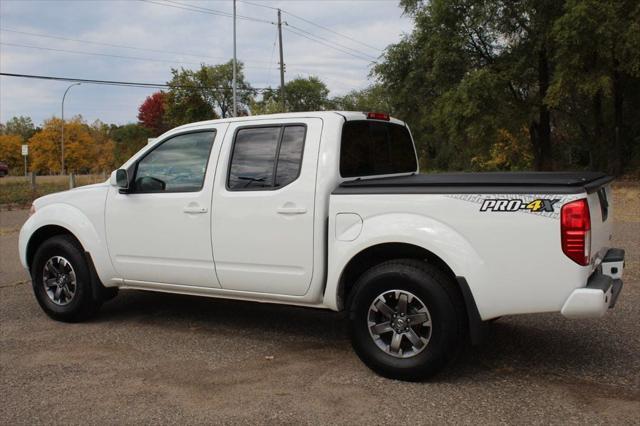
(370, 148)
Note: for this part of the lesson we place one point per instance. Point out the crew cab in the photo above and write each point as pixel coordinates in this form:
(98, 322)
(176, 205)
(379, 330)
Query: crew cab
(328, 210)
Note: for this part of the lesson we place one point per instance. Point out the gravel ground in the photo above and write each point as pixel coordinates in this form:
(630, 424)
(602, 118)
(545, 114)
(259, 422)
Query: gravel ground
(157, 358)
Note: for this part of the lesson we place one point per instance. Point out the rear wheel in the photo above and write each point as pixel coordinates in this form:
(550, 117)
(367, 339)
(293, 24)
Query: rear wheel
(61, 280)
(406, 319)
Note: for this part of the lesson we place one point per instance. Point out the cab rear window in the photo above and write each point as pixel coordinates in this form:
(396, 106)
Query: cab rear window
(370, 148)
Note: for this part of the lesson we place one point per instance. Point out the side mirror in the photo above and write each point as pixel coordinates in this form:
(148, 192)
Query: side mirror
(120, 178)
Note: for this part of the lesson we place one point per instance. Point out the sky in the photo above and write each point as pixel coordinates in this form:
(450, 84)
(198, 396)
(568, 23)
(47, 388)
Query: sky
(156, 35)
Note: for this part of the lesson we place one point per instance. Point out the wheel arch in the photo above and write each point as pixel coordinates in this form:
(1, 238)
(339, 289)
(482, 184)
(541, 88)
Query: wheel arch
(64, 219)
(42, 234)
(46, 232)
(382, 252)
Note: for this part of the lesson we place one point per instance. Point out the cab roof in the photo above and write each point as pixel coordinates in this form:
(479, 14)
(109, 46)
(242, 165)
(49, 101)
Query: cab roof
(346, 115)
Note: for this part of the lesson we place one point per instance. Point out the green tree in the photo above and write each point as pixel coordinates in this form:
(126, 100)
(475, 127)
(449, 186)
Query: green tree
(206, 93)
(474, 73)
(22, 126)
(597, 66)
(306, 94)
(127, 140)
(450, 80)
(373, 98)
(268, 104)
(301, 94)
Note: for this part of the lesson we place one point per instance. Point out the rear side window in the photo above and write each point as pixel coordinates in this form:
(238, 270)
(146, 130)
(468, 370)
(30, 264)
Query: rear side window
(266, 157)
(290, 157)
(371, 148)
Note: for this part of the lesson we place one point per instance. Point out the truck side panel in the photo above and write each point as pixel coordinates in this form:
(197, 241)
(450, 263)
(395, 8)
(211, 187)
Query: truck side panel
(511, 258)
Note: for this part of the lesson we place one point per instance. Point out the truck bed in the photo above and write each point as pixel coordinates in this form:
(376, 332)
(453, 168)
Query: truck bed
(480, 183)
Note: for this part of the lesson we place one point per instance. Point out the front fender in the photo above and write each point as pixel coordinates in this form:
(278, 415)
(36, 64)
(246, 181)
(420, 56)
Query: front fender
(422, 231)
(82, 228)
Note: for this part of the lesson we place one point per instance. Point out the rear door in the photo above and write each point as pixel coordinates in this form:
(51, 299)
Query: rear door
(263, 206)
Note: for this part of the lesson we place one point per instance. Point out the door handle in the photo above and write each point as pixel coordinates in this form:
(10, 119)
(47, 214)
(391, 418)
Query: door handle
(194, 209)
(291, 210)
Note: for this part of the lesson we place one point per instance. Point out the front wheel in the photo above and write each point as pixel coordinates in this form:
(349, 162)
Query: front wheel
(61, 280)
(406, 319)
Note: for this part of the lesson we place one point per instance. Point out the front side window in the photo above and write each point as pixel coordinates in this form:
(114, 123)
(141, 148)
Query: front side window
(177, 165)
(370, 148)
(266, 157)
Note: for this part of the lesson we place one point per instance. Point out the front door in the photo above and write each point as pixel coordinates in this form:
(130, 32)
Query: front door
(159, 232)
(263, 207)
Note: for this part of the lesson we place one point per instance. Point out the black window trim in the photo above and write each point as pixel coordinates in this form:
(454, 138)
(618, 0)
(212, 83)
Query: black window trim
(415, 152)
(157, 145)
(282, 126)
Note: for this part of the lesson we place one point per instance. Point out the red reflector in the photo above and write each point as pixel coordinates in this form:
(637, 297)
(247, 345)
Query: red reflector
(575, 228)
(378, 116)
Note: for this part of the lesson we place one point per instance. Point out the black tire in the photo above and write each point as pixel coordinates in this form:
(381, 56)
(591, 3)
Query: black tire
(82, 305)
(436, 292)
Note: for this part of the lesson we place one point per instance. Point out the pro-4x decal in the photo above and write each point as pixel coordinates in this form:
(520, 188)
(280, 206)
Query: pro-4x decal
(516, 204)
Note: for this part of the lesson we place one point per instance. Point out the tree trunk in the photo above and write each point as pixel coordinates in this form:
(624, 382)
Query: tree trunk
(616, 160)
(544, 160)
(598, 144)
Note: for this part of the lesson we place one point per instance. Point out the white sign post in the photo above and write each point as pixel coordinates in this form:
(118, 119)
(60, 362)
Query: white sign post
(25, 153)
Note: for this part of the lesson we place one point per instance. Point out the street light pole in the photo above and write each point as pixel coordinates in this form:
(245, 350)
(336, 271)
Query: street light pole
(62, 132)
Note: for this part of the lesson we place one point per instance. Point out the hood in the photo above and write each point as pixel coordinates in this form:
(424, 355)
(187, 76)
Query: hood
(71, 194)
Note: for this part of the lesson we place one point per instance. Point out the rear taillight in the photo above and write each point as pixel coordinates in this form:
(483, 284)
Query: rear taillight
(575, 225)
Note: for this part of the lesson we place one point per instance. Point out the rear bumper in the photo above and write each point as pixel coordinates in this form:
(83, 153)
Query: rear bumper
(601, 292)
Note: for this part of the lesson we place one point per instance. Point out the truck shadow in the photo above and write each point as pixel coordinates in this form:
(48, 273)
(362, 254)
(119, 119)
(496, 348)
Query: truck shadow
(533, 346)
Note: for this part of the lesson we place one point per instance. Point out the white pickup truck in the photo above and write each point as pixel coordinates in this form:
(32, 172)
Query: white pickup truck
(328, 210)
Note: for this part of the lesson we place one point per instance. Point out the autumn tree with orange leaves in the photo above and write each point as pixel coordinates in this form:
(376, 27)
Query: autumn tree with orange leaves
(84, 152)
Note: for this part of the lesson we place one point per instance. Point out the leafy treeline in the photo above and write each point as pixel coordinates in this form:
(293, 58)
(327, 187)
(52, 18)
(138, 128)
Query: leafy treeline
(89, 148)
(519, 84)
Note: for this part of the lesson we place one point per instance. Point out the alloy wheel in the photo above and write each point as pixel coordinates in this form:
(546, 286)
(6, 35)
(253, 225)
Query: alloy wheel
(59, 280)
(399, 323)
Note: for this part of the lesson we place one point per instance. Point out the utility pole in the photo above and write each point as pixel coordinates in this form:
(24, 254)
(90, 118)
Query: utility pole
(281, 61)
(235, 102)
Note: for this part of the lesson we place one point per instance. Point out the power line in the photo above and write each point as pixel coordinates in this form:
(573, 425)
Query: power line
(178, 5)
(268, 63)
(357, 52)
(362, 58)
(125, 83)
(332, 31)
(314, 24)
(259, 5)
(338, 47)
(98, 43)
(273, 49)
(137, 58)
(80, 52)
(221, 12)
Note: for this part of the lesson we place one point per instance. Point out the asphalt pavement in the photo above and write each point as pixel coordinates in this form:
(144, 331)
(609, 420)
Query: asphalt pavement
(160, 358)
